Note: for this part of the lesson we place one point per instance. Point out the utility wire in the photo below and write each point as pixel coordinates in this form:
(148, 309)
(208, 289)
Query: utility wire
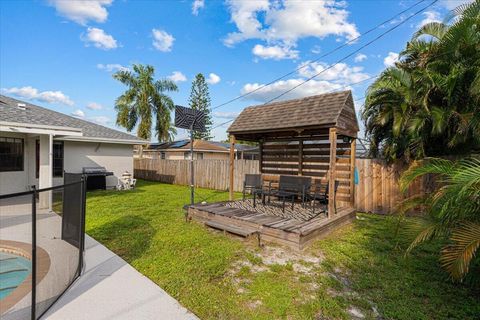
(322, 56)
(354, 52)
(332, 91)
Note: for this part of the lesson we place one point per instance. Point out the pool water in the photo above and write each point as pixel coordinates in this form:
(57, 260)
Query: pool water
(14, 269)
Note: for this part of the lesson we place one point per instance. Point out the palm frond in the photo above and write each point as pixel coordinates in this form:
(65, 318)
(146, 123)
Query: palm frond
(456, 258)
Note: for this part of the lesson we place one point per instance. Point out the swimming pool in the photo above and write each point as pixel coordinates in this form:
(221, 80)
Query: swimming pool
(14, 269)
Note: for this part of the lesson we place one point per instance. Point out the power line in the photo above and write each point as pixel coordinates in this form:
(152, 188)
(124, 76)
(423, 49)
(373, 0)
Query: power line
(354, 52)
(332, 91)
(322, 56)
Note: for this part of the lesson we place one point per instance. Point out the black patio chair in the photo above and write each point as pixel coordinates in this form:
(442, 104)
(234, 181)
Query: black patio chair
(289, 187)
(253, 183)
(321, 195)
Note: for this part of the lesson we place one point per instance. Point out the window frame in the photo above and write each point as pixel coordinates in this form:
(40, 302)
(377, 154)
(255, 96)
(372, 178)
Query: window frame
(22, 154)
(37, 159)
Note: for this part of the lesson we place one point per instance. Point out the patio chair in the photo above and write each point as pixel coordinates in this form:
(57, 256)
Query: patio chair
(320, 194)
(253, 183)
(289, 187)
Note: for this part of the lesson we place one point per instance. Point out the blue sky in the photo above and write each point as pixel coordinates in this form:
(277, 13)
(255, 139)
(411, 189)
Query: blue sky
(61, 54)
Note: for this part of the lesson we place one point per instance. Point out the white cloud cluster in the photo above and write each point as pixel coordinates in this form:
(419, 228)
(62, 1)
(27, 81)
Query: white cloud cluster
(276, 52)
(112, 67)
(390, 59)
(177, 76)
(162, 40)
(360, 57)
(81, 11)
(213, 78)
(78, 113)
(452, 4)
(226, 115)
(283, 23)
(338, 77)
(94, 106)
(340, 72)
(103, 120)
(197, 5)
(30, 93)
(99, 39)
(429, 17)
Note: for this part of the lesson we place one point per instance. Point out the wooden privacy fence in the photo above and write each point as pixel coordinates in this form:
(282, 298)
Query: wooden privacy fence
(377, 190)
(212, 174)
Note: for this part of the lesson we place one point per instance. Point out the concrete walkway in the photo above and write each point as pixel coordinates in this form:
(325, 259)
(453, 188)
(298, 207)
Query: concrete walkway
(112, 289)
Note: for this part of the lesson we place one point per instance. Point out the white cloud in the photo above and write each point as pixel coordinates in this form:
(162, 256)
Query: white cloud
(78, 113)
(316, 49)
(99, 39)
(341, 72)
(197, 5)
(213, 78)
(226, 115)
(177, 76)
(430, 16)
(390, 59)
(310, 88)
(112, 67)
(274, 52)
(360, 57)
(82, 11)
(338, 77)
(452, 4)
(162, 40)
(31, 93)
(94, 106)
(285, 22)
(101, 120)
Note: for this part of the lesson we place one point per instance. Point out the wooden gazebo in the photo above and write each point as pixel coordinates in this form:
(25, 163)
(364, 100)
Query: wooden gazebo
(313, 136)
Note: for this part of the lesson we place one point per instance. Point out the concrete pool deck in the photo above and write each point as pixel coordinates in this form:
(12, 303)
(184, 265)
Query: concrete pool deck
(110, 288)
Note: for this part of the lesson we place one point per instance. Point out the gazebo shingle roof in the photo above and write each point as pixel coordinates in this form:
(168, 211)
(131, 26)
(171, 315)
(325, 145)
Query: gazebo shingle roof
(324, 110)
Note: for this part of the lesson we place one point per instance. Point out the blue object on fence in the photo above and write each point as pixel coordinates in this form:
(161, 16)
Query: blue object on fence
(355, 176)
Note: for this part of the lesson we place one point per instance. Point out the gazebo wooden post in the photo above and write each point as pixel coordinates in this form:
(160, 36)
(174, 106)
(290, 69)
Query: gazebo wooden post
(353, 146)
(232, 167)
(332, 173)
(260, 156)
(300, 157)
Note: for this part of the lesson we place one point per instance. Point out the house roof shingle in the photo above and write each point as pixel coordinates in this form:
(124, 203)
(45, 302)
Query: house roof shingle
(184, 145)
(33, 114)
(314, 111)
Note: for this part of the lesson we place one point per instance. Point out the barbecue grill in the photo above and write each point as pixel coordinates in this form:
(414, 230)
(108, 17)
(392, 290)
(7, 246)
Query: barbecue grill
(96, 177)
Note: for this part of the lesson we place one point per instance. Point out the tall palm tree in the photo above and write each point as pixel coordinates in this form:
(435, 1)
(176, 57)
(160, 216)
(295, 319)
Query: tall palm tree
(452, 211)
(428, 104)
(145, 99)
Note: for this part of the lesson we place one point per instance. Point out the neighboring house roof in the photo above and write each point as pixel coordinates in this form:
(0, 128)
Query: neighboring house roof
(325, 110)
(198, 145)
(11, 113)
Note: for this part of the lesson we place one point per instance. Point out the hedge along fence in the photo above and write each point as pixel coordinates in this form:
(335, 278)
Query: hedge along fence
(377, 190)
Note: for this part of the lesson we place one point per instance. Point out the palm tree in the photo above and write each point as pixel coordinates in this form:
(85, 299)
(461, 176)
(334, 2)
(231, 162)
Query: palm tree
(452, 211)
(145, 99)
(428, 104)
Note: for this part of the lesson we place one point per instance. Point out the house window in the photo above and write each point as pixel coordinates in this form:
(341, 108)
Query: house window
(162, 155)
(186, 155)
(57, 158)
(199, 156)
(11, 154)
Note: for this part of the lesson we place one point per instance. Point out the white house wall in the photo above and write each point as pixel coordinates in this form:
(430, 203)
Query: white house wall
(117, 158)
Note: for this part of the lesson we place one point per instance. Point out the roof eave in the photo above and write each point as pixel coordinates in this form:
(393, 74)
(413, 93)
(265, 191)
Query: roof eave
(104, 140)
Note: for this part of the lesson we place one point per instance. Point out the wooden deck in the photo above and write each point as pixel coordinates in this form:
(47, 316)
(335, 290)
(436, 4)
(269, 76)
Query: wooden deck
(292, 232)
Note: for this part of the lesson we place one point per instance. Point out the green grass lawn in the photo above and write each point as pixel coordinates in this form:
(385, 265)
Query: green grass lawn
(359, 268)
